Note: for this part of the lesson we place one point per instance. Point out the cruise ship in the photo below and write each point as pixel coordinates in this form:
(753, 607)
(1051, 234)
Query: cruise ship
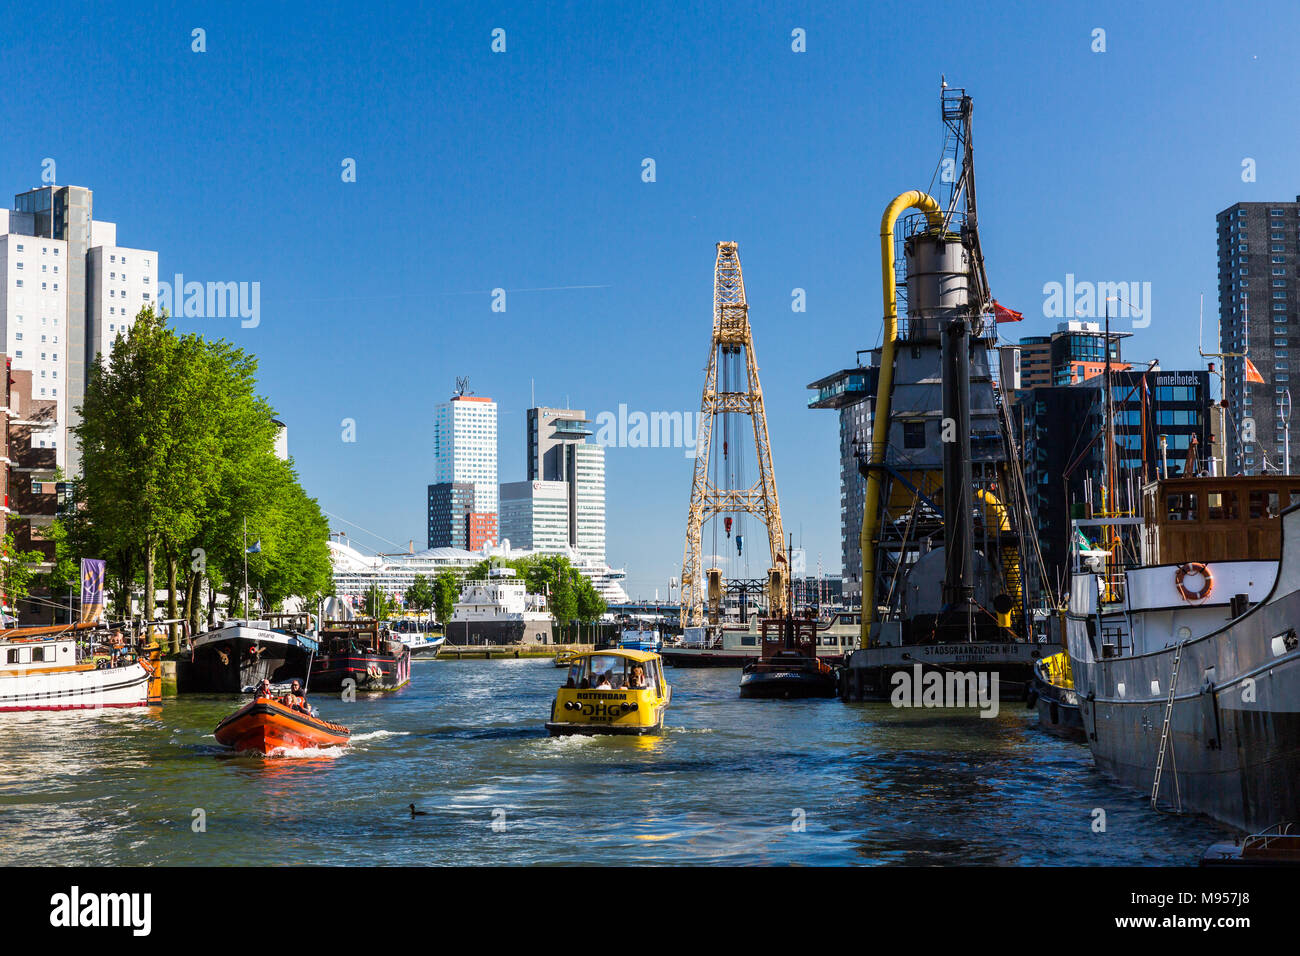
(499, 610)
(356, 573)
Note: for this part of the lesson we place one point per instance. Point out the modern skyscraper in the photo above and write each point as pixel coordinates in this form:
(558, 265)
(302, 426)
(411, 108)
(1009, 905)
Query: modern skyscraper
(550, 430)
(68, 289)
(1065, 450)
(587, 500)
(1258, 306)
(463, 497)
(535, 515)
(558, 452)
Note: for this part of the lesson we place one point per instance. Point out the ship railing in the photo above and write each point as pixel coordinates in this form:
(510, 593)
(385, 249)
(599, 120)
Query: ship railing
(1265, 839)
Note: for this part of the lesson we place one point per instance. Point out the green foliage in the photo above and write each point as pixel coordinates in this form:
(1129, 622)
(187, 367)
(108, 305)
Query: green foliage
(570, 595)
(177, 452)
(446, 590)
(16, 572)
(378, 604)
(419, 596)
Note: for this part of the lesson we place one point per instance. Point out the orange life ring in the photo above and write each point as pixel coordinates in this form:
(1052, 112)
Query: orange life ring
(1193, 567)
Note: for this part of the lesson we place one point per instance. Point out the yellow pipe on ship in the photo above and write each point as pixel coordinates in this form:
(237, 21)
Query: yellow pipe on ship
(999, 511)
(1010, 555)
(912, 199)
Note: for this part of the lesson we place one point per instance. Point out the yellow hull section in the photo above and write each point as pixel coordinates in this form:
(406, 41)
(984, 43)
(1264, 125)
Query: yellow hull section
(579, 711)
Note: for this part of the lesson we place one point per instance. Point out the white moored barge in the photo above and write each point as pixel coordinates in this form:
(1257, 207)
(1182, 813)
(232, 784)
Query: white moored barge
(43, 668)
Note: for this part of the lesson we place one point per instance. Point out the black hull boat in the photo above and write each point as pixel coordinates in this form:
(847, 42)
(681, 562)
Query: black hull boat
(356, 655)
(787, 678)
(242, 654)
(1056, 701)
(680, 657)
(788, 668)
(875, 673)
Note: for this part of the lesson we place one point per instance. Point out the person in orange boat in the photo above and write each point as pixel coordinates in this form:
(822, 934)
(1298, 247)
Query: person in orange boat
(263, 689)
(296, 699)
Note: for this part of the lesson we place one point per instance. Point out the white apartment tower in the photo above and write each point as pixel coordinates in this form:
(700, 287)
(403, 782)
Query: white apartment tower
(463, 495)
(67, 289)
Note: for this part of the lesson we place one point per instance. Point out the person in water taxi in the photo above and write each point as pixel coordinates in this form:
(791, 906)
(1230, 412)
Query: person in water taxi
(637, 679)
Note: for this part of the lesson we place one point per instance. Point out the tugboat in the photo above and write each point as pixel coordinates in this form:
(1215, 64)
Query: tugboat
(613, 691)
(265, 725)
(789, 668)
(362, 652)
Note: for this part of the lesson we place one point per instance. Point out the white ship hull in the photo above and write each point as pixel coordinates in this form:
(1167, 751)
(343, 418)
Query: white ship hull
(89, 689)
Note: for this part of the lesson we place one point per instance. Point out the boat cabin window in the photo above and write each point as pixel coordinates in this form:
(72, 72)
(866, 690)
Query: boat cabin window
(1222, 505)
(1181, 506)
(13, 657)
(38, 654)
(1264, 504)
(609, 672)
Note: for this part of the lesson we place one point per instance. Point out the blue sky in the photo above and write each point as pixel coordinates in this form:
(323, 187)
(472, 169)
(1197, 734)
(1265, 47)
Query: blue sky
(522, 170)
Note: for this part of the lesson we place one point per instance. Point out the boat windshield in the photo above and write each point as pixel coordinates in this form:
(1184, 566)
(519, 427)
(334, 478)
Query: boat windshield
(611, 672)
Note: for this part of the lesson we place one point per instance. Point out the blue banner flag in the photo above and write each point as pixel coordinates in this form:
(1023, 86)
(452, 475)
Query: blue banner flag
(92, 590)
(256, 548)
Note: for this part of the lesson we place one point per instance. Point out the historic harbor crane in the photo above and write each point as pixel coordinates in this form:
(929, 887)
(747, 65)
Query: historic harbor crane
(731, 394)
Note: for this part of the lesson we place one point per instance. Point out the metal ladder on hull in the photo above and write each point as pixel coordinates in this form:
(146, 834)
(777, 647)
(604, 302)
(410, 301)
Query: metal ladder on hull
(1165, 743)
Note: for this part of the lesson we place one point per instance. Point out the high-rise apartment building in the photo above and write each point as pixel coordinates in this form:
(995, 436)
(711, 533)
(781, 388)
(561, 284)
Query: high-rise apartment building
(66, 290)
(1259, 307)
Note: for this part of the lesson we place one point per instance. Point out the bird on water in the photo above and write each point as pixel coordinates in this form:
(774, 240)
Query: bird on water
(417, 813)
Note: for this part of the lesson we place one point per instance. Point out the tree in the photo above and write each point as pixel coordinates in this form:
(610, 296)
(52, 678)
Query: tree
(16, 573)
(446, 591)
(590, 604)
(420, 596)
(378, 604)
(177, 453)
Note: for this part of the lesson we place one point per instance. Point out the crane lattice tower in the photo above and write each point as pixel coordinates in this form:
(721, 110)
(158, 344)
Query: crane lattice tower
(711, 497)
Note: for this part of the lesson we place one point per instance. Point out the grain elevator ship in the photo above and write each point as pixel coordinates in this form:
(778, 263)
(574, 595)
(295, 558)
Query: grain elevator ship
(945, 531)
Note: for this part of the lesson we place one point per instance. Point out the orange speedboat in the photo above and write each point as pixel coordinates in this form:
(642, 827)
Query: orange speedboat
(265, 724)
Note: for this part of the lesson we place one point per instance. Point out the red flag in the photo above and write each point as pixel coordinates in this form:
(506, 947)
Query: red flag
(1003, 314)
(1252, 373)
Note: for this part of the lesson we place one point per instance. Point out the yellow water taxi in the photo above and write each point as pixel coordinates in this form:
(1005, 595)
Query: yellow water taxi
(614, 691)
(564, 658)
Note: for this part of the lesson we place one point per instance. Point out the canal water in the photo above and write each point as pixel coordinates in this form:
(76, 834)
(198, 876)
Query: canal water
(730, 782)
